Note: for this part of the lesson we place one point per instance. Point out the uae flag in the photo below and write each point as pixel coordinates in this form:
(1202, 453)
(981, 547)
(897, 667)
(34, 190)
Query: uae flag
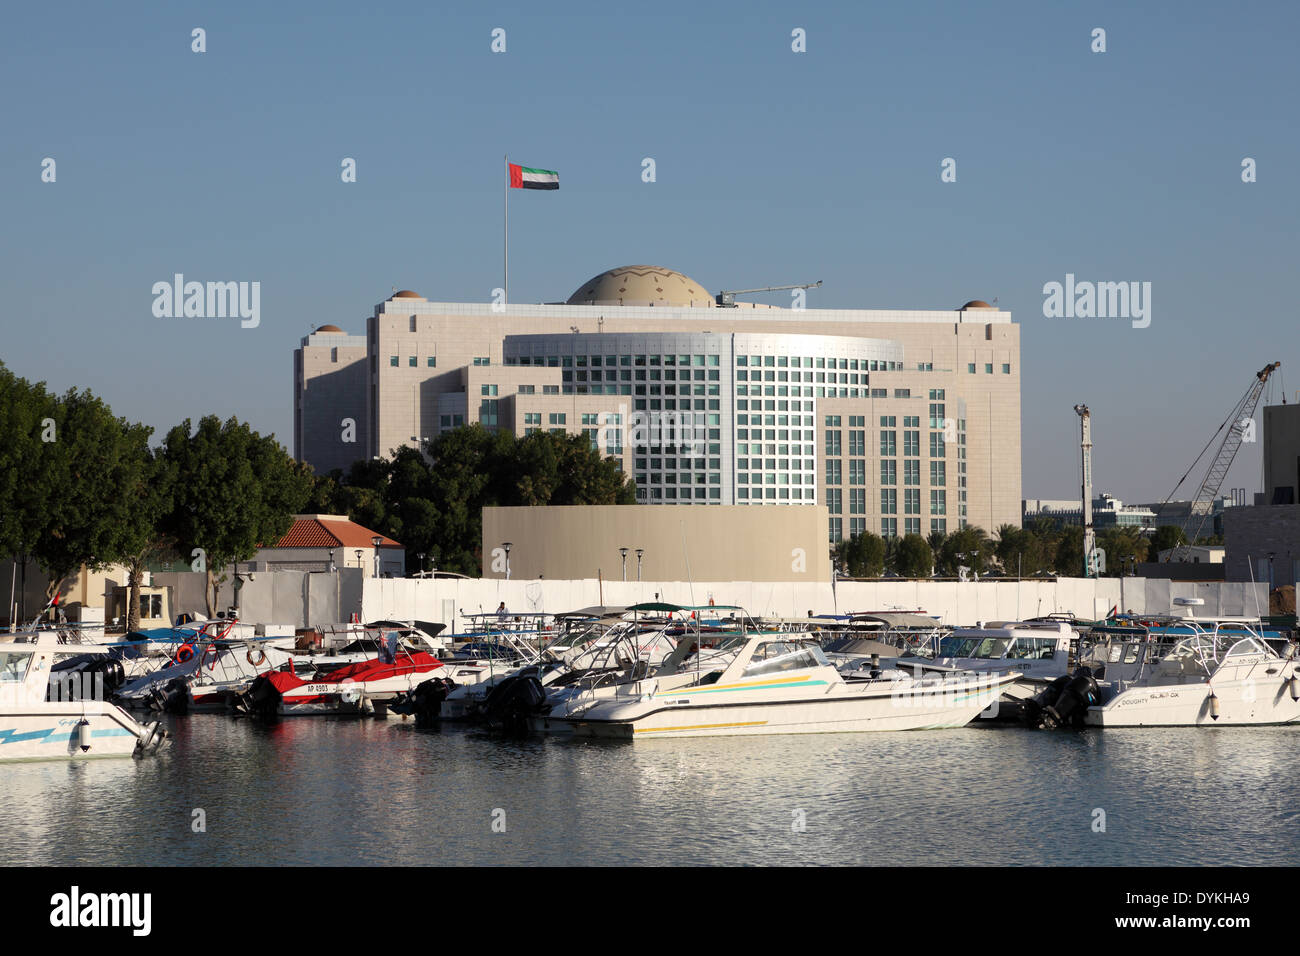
(521, 177)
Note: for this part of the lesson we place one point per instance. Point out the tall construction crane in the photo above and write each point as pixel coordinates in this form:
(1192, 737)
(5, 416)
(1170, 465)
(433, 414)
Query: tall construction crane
(1091, 564)
(728, 299)
(1238, 421)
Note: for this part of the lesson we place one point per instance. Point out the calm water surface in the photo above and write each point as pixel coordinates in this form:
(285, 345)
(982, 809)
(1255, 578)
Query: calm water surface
(333, 792)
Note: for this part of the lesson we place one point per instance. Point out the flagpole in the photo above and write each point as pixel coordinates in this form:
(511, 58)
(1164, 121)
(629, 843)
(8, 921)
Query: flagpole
(505, 245)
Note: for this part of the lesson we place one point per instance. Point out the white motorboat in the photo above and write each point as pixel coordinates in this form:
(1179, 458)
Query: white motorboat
(1226, 675)
(74, 724)
(779, 684)
(1038, 650)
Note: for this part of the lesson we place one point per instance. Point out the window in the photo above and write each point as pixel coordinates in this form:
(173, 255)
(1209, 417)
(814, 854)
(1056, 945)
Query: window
(971, 368)
(834, 501)
(857, 501)
(527, 389)
(837, 529)
(911, 443)
(857, 471)
(939, 524)
(938, 473)
(888, 501)
(1006, 368)
(988, 368)
(911, 525)
(902, 393)
(487, 389)
(888, 472)
(857, 443)
(889, 527)
(484, 360)
(938, 502)
(833, 474)
(912, 471)
(833, 446)
(557, 418)
(888, 443)
(550, 390)
(393, 361)
(487, 412)
(936, 444)
(432, 361)
(912, 501)
(857, 526)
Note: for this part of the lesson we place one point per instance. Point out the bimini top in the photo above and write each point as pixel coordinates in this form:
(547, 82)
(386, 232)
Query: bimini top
(642, 285)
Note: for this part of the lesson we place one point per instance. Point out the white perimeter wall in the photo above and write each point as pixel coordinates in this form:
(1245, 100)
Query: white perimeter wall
(445, 599)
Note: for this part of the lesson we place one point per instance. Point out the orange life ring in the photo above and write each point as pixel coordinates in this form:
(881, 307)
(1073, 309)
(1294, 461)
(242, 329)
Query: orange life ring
(260, 660)
(184, 653)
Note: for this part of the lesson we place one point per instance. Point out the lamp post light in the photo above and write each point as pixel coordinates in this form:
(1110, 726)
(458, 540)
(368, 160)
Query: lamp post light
(375, 541)
(334, 559)
(640, 552)
(623, 553)
(507, 545)
(421, 574)
(359, 564)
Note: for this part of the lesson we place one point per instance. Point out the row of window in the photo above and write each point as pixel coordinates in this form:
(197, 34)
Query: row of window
(888, 527)
(988, 368)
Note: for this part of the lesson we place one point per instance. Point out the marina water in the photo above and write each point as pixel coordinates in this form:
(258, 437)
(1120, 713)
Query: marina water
(336, 792)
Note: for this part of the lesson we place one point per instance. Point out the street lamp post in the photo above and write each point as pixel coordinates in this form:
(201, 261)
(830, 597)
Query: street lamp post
(358, 553)
(334, 559)
(640, 552)
(623, 553)
(507, 545)
(421, 564)
(375, 541)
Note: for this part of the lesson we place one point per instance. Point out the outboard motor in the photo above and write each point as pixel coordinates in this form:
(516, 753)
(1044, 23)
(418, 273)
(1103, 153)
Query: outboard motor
(174, 698)
(1065, 702)
(114, 675)
(425, 702)
(262, 700)
(511, 702)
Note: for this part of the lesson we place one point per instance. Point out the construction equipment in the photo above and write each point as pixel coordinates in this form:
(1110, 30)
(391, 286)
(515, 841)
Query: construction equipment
(1239, 421)
(1091, 561)
(728, 299)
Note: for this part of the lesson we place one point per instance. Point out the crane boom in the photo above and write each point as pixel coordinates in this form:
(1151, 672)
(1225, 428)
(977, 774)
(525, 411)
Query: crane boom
(1244, 411)
(728, 299)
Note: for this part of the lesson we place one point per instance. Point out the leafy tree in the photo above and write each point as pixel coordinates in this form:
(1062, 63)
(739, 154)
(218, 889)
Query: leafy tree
(1165, 537)
(966, 547)
(1021, 551)
(235, 491)
(862, 556)
(914, 559)
(1122, 545)
(143, 539)
(1068, 558)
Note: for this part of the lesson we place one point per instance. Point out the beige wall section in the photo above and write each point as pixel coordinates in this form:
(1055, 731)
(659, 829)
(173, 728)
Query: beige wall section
(723, 543)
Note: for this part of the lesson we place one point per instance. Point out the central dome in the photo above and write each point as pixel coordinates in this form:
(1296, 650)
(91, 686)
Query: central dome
(642, 285)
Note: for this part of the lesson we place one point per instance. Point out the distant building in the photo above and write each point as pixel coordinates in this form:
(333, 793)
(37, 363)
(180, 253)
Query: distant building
(323, 542)
(1193, 554)
(1281, 454)
(1263, 541)
(1107, 512)
(895, 420)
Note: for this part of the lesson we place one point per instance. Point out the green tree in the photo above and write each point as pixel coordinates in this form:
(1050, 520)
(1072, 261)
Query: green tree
(1122, 546)
(235, 491)
(862, 556)
(966, 547)
(1021, 551)
(1165, 537)
(1068, 557)
(914, 559)
(144, 539)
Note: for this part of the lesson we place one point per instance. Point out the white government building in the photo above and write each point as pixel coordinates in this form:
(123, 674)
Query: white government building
(897, 421)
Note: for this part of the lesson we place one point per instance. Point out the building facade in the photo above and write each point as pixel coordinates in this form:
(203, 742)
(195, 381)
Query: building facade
(896, 421)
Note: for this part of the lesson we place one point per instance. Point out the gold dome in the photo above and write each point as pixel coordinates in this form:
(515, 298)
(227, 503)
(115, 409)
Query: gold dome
(976, 304)
(406, 294)
(642, 285)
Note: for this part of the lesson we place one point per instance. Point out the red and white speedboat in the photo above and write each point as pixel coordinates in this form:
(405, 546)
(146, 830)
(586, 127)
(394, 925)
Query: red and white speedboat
(359, 689)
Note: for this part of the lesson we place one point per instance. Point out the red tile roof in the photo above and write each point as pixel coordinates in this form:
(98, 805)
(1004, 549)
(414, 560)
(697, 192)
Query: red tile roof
(316, 532)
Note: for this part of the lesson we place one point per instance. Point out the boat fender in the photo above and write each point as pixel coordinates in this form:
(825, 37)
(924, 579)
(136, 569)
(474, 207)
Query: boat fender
(1214, 705)
(83, 735)
(261, 657)
(1294, 685)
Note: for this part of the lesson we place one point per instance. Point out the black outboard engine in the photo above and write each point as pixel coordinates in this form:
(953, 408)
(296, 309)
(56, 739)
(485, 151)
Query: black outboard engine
(511, 702)
(174, 698)
(1065, 702)
(425, 702)
(261, 700)
(114, 675)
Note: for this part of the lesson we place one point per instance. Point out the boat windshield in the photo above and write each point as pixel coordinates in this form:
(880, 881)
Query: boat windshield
(14, 665)
(775, 656)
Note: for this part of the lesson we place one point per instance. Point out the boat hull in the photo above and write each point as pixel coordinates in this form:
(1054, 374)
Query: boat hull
(1188, 705)
(53, 732)
(851, 711)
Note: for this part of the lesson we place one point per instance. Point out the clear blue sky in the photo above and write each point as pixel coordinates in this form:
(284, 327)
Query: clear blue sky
(773, 167)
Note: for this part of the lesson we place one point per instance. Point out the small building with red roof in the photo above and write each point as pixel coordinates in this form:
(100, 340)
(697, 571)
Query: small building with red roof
(326, 542)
